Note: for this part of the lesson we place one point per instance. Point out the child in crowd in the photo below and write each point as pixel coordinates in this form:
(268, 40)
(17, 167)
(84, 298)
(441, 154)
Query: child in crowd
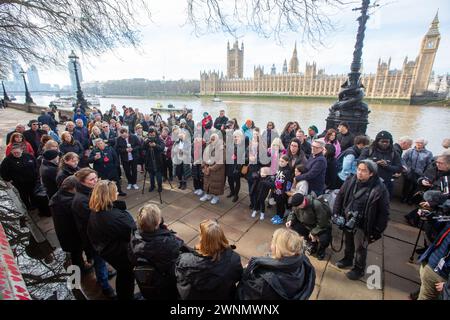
(299, 186)
(283, 183)
(261, 188)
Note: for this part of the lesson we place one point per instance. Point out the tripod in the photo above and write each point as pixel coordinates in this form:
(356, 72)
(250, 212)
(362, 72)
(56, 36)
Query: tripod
(422, 223)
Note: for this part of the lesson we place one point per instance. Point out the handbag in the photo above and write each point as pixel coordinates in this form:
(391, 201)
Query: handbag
(244, 170)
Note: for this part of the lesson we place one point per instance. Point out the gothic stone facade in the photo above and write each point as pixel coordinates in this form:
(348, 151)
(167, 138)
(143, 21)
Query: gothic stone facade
(412, 79)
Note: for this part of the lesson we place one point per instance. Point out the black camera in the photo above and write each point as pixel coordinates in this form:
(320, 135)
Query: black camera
(344, 224)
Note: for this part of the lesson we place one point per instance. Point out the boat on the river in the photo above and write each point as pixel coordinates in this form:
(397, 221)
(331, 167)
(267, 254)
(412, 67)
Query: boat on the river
(70, 101)
(170, 108)
(216, 99)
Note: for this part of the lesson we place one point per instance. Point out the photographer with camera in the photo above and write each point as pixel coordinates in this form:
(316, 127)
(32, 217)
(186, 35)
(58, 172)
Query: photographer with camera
(311, 219)
(361, 209)
(153, 149)
(382, 152)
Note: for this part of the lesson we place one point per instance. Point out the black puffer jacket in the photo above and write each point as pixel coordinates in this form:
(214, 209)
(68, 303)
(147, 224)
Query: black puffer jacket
(200, 278)
(65, 226)
(64, 172)
(81, 212)
(110, 231)
(376, 210)
(159, 249)
(290, 278)
(48, 172)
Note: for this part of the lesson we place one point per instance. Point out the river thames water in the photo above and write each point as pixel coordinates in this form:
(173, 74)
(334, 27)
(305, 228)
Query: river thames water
(433, 123)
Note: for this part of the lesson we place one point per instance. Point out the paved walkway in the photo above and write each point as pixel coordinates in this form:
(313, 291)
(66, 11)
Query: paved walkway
(183, 212)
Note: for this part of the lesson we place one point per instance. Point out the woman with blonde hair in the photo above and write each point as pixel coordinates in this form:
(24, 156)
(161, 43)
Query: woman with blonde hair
(287, 274)
(154, 245)
(275, 152)
(69, 144)
(109, 230)
(212, 270)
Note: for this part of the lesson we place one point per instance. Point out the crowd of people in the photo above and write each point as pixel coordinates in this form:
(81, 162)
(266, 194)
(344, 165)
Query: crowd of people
(75, 176)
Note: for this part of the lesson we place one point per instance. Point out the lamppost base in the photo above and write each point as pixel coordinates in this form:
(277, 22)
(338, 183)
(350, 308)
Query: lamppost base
(356, 116)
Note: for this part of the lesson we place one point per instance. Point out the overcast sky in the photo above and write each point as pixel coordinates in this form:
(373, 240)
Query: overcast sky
(170, 49)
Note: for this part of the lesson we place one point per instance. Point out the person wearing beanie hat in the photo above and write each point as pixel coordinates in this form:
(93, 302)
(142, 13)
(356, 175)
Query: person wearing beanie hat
(310, 218)
(383, 154)
(363, 201)
(207, 122)
(247, 128)
(312, 134)
(49, 170)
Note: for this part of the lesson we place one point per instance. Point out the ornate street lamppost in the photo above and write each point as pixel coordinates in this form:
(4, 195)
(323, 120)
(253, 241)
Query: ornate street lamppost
(350, 107)
(28, 98)
(5, 95)
(81, 101)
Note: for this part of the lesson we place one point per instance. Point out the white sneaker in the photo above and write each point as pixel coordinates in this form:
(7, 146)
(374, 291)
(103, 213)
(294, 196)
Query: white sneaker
(135, 187)
(129, 187)
(261, 216)
(205, 197)
(196, 191)
(200, 192)
(215, 200)
(254, 213)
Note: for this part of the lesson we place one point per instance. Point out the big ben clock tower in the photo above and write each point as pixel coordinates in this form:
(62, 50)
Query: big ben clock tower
(425, 60)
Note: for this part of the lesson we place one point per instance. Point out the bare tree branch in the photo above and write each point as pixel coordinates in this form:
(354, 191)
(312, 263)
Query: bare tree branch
(43, 32)
(268, 18)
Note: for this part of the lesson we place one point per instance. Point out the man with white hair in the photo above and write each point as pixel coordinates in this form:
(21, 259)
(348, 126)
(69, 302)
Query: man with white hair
(415, 160)
(316, 168)
(403, 144)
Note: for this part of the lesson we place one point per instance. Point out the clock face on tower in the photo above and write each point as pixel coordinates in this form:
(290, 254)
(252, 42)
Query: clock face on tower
(430, 44)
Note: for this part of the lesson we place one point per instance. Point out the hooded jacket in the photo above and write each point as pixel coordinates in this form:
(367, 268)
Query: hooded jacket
(64, 172)
(289, 278)
(159, 249)
(201, 278)
(417, 161)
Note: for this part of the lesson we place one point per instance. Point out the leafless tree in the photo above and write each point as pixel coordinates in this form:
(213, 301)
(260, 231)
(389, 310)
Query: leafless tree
(269, 18)
(44, 32)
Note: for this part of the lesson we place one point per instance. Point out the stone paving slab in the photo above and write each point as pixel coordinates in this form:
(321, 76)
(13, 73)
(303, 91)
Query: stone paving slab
(184, 232)
(397, 288)
(396, 257)
(335, 285)
(402, 232)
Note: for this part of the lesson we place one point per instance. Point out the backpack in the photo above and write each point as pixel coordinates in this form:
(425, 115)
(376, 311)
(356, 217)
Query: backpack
(327, 201)
(340, 158)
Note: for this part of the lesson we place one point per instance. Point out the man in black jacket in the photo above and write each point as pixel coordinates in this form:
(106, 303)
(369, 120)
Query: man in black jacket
(128, 146)
(33, 135)
(221, 121)
(154, 148)
(19, 168)
(363, 201)
(388, 161)
(345, 137)
(108, 135)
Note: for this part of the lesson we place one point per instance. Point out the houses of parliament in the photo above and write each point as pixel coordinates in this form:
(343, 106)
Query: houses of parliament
(412, 80)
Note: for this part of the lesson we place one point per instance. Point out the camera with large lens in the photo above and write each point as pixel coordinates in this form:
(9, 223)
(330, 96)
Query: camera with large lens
(339, 221)
(348, 224)
(352, 221)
